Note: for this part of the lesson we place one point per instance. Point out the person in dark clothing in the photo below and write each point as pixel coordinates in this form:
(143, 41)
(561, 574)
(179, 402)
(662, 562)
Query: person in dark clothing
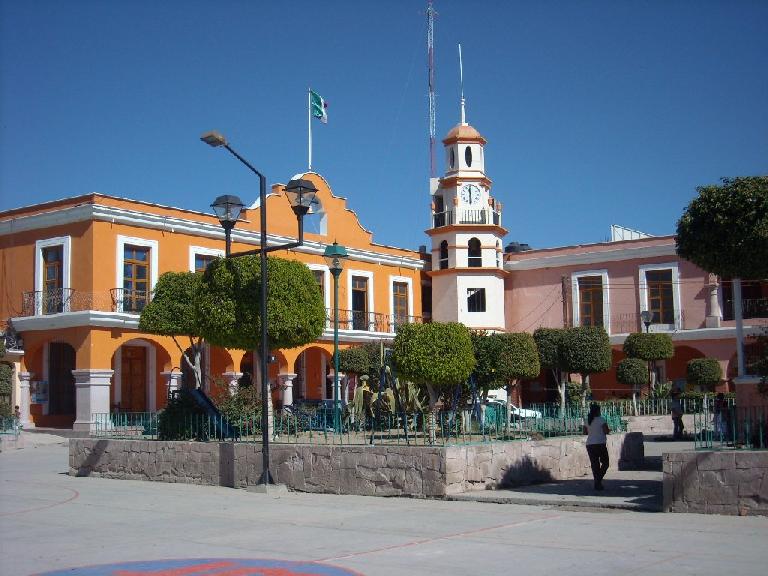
(597, 432)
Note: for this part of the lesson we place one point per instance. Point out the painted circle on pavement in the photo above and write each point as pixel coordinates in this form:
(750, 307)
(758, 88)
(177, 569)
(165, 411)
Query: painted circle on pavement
(207, 567)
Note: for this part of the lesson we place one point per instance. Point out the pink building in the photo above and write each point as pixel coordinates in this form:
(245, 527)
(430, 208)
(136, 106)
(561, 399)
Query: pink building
(610, 284)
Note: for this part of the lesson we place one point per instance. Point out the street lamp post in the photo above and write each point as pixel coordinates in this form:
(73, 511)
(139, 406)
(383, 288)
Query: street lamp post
(227, 209)
(647, 317)
(300, 194)
(335, 255)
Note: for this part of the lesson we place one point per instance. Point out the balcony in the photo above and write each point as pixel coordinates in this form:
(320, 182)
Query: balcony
(43, 303)
(463, 216)
(751, 308)
(370, 321)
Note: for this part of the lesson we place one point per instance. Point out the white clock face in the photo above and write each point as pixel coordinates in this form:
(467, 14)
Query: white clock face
(471, 194)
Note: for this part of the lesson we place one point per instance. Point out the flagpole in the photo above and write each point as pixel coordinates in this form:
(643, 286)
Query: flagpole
(309, 129)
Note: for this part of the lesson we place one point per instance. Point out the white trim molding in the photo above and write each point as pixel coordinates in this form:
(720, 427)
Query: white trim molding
(402, 280)
(202, 251)
(595, 257)
(327, 286)
(643, 294)
(576, 300)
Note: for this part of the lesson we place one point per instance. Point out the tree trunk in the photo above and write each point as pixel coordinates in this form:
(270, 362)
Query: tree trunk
(194, 364)
(584, 388)
(432, 419)
(558, 374)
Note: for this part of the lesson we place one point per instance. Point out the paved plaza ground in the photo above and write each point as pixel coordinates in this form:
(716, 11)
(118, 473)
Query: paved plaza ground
(51, 521)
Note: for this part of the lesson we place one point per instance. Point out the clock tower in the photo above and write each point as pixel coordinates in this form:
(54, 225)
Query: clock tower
(467, 264)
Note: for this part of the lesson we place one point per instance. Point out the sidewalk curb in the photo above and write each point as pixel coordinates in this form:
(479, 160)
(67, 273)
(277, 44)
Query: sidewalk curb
(558, 503)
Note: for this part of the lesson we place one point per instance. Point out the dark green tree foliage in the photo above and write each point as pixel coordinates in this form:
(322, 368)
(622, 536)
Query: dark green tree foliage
(632, 372)
(519, 358)
(586, 350)
(704, 372)
(182, 419)
(549, 343)
(229, 296)
(2, 345)
(725, 229)
(364, 360)
(436, 355)
(172, 313)
(6, 386)
(649, 347)
(487, 348)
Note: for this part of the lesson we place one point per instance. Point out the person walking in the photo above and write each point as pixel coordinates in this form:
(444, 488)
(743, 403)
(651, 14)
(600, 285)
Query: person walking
(597, 432)
(676, 408)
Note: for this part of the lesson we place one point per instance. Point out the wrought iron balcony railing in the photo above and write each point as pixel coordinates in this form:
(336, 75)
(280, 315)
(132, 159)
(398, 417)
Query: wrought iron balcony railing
(370, 321)
(750, 307)
(70, 300)
(43, 302)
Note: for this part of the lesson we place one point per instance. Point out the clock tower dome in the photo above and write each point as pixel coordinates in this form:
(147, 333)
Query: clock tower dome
(467, 265)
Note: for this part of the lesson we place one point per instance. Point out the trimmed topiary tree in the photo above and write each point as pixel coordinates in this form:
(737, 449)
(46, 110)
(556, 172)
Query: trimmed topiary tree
(549, 344)
(724, 230)
(650, 347)
(519, 360)
(228, 309)
(704, 372)
(586, 350)
(172, 313)
(633, 372)
(437, 356)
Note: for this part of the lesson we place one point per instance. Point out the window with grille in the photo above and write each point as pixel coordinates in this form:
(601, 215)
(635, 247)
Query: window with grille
(590, 301)
(443, 255)
(400, 302)
(474, 253)
(359, 303)
(202, 261)
(660, 296)
(475, 299)
(135, 278)
(53, 279)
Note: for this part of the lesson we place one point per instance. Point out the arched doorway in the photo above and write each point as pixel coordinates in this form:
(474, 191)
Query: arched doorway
(61, 382)
(312, 369)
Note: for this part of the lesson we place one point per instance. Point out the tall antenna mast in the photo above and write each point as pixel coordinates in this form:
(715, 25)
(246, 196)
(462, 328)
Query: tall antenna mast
(461, 82)
(431, 64)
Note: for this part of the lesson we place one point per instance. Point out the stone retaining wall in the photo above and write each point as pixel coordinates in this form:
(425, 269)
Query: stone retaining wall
(362, 470)
(733, 482)
(657, 425)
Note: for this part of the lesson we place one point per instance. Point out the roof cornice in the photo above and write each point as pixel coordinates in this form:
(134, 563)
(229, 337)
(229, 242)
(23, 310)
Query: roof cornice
(559, 260)
(114, 215)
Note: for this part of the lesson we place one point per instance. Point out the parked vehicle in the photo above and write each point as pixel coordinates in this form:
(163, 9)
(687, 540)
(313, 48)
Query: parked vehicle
(515, 411)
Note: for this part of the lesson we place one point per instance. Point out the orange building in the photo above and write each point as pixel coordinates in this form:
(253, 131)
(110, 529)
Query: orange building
(77, 273)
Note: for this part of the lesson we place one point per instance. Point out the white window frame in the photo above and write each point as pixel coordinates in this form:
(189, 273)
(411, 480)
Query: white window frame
(327, 286)
(369, 276)
(120, 259)
(467, 296)
(575, 298)
(202, 251)
(676, 301)
(66, 259)
(409, 283)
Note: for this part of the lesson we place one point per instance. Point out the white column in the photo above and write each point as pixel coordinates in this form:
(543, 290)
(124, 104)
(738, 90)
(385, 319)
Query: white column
(172, 380)
(25, 400)
(286, 387)
(232, 379)
(715, 315)
(91, 396)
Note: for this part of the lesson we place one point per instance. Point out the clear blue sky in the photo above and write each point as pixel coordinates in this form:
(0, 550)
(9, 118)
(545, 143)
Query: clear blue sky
(596, 112)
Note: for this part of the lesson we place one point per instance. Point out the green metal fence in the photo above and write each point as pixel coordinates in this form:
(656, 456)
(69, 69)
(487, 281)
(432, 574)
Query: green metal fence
(487, 424)
(731, 428)
(624, 408)
(9, 425)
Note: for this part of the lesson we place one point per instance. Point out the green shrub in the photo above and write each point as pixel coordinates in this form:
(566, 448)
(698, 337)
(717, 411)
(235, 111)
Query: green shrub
(182, 419)
(649, 347)
(704, 372)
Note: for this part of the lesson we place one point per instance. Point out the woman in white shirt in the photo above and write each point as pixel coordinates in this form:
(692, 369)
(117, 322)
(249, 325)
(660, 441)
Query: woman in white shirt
(597, 431)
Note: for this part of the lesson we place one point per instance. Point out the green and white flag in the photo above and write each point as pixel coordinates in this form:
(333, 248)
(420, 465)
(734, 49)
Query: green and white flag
(318, 106)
